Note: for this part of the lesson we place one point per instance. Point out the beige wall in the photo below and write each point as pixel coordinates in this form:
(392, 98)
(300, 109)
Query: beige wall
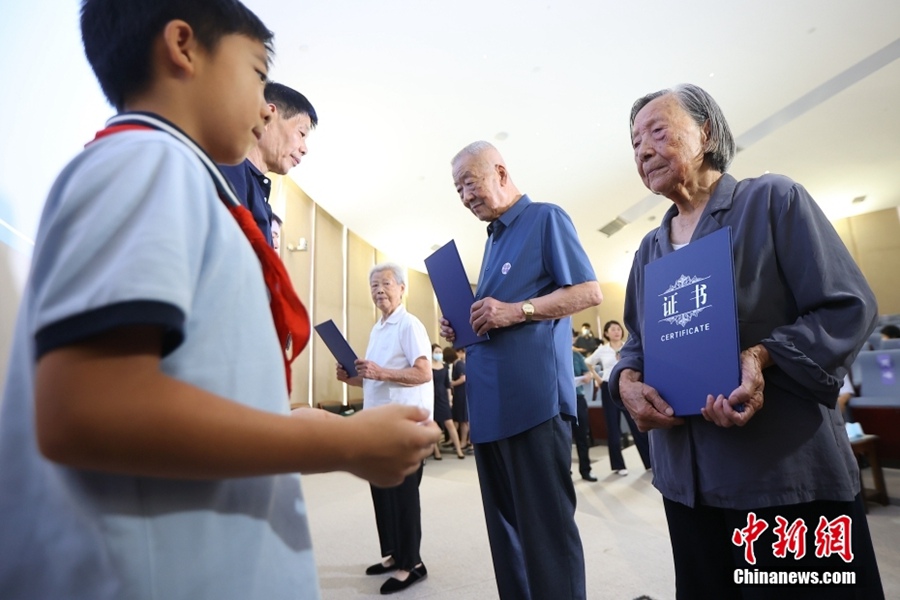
(420, 301)
(874, 241)
(611, 309)
(9, 306)
(299, 223)
(328, 303)
(360, 308)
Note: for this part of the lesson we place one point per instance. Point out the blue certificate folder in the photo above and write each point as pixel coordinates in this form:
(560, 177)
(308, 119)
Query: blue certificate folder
(338, 346)
(691, 345)
(454, 294)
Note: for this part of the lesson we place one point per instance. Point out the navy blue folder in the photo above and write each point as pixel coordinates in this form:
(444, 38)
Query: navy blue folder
(691, 345)
(338, 346)
(454, 294)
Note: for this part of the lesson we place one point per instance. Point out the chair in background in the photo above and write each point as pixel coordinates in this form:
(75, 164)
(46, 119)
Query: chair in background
(866, 446)
(878, 371)
(874, 341)
(877, 410)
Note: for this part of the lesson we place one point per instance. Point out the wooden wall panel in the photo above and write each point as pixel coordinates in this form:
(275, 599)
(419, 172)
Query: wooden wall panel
(328, 303)
(422, 303)
(360, 308)
(874, 242)
(9, 307)
(299, 213)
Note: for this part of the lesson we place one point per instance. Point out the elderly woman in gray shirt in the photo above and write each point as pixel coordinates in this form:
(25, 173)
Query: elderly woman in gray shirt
(765, 478)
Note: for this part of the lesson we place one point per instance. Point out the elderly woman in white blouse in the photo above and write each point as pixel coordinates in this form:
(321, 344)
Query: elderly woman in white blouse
(606, 356)
(396, 369)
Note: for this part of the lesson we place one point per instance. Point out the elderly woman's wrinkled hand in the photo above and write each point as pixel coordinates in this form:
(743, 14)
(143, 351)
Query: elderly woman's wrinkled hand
(644, 403)
(368, 369)
(747, 399)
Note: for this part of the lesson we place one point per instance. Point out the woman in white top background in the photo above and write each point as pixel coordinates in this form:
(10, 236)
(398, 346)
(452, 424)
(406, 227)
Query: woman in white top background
(607, 355)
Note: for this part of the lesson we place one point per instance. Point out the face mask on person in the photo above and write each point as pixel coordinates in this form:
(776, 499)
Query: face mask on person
(585, 331)
(437, 356)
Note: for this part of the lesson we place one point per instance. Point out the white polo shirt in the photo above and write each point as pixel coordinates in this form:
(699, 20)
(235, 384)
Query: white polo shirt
(396, 344)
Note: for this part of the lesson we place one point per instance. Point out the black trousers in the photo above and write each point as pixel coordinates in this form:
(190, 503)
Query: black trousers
(708, 562)
(581, 433)
(529, 506)
(398, 517)
(612, 411)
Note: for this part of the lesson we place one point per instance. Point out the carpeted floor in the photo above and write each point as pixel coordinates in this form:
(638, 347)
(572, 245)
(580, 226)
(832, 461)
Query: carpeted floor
(621, 521)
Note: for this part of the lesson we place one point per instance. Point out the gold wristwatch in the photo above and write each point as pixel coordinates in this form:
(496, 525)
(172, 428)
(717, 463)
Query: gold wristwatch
(528, 309)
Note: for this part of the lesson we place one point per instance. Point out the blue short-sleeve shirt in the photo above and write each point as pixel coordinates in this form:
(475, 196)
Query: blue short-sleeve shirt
(522, 376)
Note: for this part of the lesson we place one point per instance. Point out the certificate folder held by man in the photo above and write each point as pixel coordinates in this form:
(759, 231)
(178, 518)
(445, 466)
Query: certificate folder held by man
(691, 345)
(454, 294)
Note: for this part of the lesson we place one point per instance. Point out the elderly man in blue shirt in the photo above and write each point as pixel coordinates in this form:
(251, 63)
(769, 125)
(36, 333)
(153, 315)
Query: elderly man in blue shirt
(534, 276)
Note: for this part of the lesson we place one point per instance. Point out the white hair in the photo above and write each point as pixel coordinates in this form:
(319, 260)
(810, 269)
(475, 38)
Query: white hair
(473, 149)
(389, 266)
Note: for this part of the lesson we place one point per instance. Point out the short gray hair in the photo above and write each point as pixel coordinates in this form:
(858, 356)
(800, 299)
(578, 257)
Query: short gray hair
(473, 149)
(720, 147)
(389, 266)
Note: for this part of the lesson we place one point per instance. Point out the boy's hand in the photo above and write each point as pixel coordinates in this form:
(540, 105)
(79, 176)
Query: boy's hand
(391, 442)
(308, 412)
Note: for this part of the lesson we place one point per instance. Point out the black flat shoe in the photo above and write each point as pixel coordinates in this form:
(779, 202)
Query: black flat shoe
(380, 569)
(395, 585)
(589, 477)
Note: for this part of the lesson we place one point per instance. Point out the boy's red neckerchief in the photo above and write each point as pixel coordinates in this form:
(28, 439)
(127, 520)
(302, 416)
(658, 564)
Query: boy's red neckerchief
(288, 313)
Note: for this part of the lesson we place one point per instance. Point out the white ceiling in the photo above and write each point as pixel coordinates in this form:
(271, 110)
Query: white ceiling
(402, 85)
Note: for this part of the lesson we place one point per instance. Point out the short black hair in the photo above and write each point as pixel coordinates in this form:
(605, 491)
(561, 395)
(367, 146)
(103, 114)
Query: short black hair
(277, 219)
(118, 36)
(608, 325)
(891, 331)
(290, 102)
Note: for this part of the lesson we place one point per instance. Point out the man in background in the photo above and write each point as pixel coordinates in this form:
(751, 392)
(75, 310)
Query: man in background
(587, 342)
(278, 150)
(276, 233)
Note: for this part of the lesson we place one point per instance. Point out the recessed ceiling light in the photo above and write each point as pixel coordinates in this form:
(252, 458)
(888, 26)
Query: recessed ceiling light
(712, 74)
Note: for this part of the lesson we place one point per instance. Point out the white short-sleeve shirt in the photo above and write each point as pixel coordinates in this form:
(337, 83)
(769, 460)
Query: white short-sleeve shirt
(133, 232)
(396, 343)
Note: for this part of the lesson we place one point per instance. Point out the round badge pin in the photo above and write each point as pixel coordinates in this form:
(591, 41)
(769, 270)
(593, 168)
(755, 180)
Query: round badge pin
(505, 269)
